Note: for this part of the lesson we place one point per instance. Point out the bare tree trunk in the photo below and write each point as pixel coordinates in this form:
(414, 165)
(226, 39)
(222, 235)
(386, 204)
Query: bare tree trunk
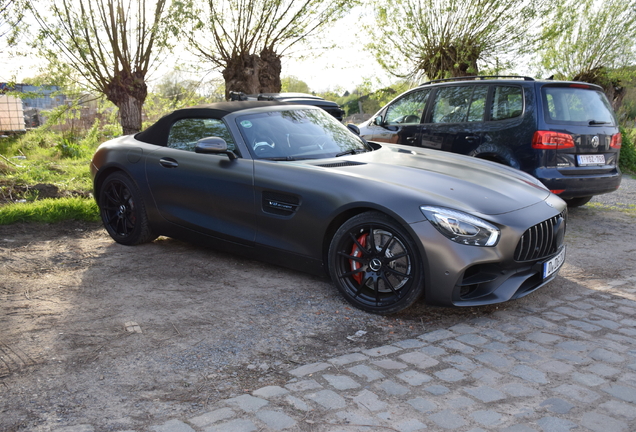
(241, 74)
(128, 92)
(130, 115)
(270, 69)
(253, 74)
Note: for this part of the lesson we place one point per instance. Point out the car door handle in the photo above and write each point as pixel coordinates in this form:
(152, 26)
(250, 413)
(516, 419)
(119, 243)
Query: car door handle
(471, 137)
(411, 139)
(168, 162)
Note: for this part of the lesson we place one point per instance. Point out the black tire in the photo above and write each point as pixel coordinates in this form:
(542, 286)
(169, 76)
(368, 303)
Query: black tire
(577, 202)
(495, 153)
(380, 273)
(123, 211)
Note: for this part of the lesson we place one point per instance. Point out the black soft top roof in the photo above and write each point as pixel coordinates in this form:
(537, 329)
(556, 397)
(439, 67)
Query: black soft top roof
(158, 133)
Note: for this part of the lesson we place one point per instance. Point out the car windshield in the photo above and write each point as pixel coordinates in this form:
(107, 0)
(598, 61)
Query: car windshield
(297, 134)
(576, 105)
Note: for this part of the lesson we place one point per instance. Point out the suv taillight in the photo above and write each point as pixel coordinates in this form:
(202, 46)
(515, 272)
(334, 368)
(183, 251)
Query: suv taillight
(617, 141)
(548, 140)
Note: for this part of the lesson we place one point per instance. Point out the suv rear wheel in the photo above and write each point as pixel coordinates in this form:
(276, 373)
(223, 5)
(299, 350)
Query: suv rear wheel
(577, 202)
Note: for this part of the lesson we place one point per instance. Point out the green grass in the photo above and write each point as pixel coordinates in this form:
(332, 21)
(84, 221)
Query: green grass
(628, 209)
(66, 174)
(50, 211)
(70, 176)
(44, 157)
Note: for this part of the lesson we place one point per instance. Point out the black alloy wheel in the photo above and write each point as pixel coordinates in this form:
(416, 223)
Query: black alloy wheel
(123, 212)
(375, 265)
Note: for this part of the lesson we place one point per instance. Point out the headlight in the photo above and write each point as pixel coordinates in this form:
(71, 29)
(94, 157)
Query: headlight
(461, 227)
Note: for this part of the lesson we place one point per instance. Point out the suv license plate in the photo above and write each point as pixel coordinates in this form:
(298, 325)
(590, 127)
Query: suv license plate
(549, 267)
(591, 159)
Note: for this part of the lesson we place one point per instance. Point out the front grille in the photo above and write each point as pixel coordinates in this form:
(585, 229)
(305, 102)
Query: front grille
(540, 240)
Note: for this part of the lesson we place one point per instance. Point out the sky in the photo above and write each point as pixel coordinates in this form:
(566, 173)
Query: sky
(344, 67)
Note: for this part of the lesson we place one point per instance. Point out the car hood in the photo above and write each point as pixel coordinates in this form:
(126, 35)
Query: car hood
(447, 179)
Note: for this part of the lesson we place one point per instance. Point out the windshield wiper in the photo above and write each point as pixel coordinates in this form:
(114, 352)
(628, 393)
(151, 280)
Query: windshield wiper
(351, 152)
(595, 122)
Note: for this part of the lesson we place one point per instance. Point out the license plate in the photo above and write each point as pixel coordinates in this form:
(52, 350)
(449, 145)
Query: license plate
(549, 267)
(591, 159)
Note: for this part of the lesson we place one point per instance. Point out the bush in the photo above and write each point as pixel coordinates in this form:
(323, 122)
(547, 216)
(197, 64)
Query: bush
(69, 149)
(627, 161)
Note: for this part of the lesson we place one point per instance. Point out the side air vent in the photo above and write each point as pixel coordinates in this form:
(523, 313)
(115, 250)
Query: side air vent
(341, 164)
(280, 204)
(541, 240)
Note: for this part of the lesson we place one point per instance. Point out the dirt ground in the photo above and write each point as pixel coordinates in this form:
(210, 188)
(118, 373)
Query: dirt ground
(212, 325)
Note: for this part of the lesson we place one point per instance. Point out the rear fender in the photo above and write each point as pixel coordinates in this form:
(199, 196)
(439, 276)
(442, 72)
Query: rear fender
(496, 153)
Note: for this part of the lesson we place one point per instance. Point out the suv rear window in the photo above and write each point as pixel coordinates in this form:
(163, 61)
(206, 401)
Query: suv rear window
(576, 105)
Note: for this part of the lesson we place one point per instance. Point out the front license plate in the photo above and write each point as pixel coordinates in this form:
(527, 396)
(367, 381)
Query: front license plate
(549, 267)
(591, 159)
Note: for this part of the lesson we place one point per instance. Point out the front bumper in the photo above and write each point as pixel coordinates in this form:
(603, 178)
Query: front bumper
(461, 275)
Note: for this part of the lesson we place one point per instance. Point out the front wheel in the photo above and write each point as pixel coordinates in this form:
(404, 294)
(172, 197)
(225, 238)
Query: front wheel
(375, 264)
(123, 211)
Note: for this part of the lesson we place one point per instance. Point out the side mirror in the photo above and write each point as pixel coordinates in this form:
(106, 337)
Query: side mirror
(213, 145)
(353, 128)
(378, 121)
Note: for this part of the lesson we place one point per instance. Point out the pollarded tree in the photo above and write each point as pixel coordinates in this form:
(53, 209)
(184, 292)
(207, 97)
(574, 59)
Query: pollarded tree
(450, 38)
(245, 39)
(587, 40)
(112, 44)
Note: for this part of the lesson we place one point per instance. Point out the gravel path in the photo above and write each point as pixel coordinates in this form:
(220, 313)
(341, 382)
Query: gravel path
(624, 197)
(218, 329)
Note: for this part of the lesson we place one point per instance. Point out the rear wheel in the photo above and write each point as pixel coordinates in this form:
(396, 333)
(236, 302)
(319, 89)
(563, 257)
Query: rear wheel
(577, 202)
(123, 211)
(375, 264)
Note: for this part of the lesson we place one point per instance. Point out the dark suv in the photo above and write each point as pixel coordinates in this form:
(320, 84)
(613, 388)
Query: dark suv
(295, 98)
(564, 133)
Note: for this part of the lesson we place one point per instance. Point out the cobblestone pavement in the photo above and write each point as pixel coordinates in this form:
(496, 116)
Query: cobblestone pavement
(567, 365)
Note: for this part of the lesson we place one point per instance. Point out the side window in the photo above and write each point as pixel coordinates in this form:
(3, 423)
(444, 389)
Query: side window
(458, 104)
(407, 110)
(477, 107)
(185, 133)
(507, 102)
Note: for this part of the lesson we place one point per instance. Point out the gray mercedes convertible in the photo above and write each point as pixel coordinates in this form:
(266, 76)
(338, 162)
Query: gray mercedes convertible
(290, 185)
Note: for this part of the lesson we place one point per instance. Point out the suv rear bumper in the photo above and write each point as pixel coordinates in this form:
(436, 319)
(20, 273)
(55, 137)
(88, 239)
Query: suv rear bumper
(575, 186)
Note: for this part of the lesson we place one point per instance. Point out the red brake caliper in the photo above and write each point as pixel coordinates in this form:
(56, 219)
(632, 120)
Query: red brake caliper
(356, 252)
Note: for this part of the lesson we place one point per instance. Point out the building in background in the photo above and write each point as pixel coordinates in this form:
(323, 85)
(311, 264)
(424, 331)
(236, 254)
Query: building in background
(18, 114)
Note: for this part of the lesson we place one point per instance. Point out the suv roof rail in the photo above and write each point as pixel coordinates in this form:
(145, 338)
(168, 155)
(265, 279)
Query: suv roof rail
(478, 78)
